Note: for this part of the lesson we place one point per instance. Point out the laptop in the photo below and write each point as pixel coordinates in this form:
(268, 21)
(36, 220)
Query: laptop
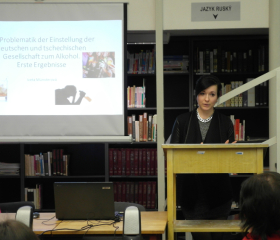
(84, 200)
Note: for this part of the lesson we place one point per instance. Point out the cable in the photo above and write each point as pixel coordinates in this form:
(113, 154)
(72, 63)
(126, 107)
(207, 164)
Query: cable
(84, 228)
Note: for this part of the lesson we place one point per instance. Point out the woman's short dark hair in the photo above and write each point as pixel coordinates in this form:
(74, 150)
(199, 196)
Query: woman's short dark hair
(15, 230)
(207, 81)
(260, 204)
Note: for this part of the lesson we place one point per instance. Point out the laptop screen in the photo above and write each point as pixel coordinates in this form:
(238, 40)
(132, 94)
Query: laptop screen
(84, 200)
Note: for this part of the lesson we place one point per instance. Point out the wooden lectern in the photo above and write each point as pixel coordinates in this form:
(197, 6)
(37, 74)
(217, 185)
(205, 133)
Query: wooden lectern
(207, 158)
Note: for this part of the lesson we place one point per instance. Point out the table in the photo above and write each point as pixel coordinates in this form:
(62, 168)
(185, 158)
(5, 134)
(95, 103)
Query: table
(152, 223)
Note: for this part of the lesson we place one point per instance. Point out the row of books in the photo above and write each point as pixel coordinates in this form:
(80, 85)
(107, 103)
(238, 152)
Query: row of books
(136, 96)
(142, 62)
(221, 60)
(143, 129)
(239, 128)
(47, 164)
(143, 193)
(254, 97)
(34, 195)
(133, 161)
(9, 168)
(176, 63)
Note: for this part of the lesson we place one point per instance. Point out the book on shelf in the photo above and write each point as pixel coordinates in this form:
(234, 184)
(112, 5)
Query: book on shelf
(9, 168)
(256, 96)
(150, 122)
(111, 162)
(225, 61)
(239, 61)
(133, 128)
(129, 125)
(234, 61)
(239, 128)
(127, 162)
(236, 98)
(136, 96)
(244, 61)
(233, 99)
(201, 62)
(207, 61)
(144, 162)
(211, 62)
(250, 64)
(136, 161)
(262, 52)
(133, 161)
(34, 195)
(119, 162)
(47, 164)
(228, 89)
(141, 128)
(250, 95)
(153, 170)
(148, 161)
(137, 139)
(144, 129)
(142, 62)
(140, 162)
(176, 63)
(265, 93)
(215, 60)
(154, 128)
(149, 192)
(228, 62)
(236, 129)
(144, 93)
(123, 161)
(240, 97)
(132, 164)
(143, 193)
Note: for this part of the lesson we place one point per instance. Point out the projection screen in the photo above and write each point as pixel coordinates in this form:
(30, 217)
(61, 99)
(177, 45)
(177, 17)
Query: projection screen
(62, 69)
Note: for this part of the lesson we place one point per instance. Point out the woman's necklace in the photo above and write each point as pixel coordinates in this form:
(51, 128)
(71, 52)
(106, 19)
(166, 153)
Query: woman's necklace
(203, 120)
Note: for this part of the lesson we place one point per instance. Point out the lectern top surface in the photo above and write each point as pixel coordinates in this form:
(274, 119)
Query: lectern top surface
(220, 145)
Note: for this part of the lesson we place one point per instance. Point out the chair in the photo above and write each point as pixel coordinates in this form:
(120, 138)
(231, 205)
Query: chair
(12, 207)
(121, 206)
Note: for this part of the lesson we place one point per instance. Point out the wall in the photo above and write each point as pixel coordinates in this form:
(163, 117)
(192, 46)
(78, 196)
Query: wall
(140, 16)
(177, 14)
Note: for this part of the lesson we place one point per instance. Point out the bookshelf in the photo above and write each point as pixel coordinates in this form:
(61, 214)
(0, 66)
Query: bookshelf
(251, 61)
(90, 161)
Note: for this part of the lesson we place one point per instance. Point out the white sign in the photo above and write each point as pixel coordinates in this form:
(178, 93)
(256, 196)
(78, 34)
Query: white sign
(215, 11)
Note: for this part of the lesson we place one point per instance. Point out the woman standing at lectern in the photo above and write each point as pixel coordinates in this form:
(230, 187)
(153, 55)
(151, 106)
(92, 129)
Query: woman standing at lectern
(204, 196)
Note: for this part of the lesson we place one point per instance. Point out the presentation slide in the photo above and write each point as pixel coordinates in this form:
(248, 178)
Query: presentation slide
(61, 68)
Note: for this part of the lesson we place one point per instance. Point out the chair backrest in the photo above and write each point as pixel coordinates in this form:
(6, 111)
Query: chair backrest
(121, 206)
(12, 207)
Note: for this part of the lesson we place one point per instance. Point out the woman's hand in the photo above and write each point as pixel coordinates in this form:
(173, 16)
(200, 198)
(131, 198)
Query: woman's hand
(227, 141)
